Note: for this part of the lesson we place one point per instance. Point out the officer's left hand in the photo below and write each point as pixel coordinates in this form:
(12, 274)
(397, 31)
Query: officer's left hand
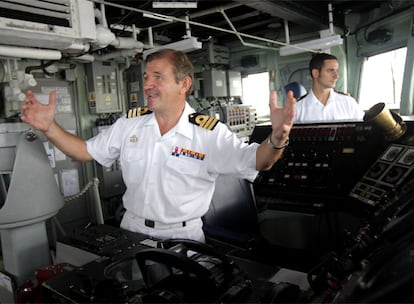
(281, 118)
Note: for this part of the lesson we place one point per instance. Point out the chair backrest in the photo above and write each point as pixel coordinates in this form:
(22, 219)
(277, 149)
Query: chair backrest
(297, 88)
(233, 206)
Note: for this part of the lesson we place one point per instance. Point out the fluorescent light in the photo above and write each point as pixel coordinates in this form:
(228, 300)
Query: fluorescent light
(312, 45)
(174, 4)
(185, 45)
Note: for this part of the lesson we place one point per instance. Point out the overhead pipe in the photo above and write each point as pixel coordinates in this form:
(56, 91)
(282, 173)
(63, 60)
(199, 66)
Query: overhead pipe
(106, 37)
(287, 35)
(29, 53)
(87, 58)
(135, 31)
(330, 17)
(150, 38)
(104, 21)
(112, 55)
(127, 43)
(187, 28)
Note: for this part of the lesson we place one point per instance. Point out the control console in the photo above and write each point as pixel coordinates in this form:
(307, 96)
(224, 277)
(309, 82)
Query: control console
(322, 162)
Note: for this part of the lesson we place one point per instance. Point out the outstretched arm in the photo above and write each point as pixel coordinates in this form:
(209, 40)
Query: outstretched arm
(282, 121)
(42, 118)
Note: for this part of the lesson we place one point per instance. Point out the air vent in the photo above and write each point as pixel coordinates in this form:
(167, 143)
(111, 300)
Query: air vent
(37, 11)
(53, 24)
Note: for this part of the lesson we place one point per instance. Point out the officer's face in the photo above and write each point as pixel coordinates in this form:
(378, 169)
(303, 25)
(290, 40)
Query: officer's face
(161, 90)
(328, 75)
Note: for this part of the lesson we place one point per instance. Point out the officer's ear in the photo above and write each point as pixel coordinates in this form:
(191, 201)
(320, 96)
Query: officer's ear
(315, 73)
(187, 83)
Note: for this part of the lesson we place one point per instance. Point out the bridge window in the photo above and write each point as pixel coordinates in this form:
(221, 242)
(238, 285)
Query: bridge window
(381, 79)
(256, 93)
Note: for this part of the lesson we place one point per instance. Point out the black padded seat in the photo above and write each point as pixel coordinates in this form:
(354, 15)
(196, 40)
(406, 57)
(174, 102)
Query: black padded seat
(232, 217)
(297, 88)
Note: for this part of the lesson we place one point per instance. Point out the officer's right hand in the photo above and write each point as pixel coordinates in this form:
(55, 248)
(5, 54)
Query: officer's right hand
(36, 114)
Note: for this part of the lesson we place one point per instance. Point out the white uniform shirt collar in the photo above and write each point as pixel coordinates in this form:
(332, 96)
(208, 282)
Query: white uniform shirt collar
(182, 126)
(330, 98)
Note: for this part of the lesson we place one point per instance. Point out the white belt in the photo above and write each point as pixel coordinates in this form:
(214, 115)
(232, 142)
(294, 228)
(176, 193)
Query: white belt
(159, 225)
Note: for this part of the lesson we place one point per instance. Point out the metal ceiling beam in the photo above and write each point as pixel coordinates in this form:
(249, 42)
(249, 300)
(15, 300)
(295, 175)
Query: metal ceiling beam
(281, 10)
(175, 19)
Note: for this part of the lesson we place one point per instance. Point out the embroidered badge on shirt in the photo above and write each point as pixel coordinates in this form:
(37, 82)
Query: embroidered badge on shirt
(203, 121)
(176, 151)
(138, 111)
(133, 139)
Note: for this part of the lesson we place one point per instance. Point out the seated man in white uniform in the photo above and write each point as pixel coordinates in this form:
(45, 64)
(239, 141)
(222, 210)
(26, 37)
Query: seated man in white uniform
(322, 102)
(170, 155)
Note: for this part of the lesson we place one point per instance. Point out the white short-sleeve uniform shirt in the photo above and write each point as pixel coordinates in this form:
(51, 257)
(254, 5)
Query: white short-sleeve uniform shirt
(171, 178)
(338, 107)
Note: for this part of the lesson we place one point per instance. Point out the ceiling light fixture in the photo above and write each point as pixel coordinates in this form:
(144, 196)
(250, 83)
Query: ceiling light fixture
(311, 45)
(185, 45)
(174, 4)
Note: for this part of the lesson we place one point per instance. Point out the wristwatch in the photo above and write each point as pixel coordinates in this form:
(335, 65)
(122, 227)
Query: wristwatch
(269, 141)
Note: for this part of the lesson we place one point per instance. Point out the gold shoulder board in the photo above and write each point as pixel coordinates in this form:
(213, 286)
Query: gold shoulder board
(301, 97)
(203, 121)
(343, 93)
(138, 111)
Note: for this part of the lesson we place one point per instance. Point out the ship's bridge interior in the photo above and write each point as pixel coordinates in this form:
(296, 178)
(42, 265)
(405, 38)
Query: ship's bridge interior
(330, 222)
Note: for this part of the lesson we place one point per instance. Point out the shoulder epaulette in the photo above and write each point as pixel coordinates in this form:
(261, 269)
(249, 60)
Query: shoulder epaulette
(203, 121)
(343, 93)
(138, 111)
(301, 97)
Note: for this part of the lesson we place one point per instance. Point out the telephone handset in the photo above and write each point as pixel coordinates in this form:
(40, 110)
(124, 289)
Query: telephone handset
(186, 270)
